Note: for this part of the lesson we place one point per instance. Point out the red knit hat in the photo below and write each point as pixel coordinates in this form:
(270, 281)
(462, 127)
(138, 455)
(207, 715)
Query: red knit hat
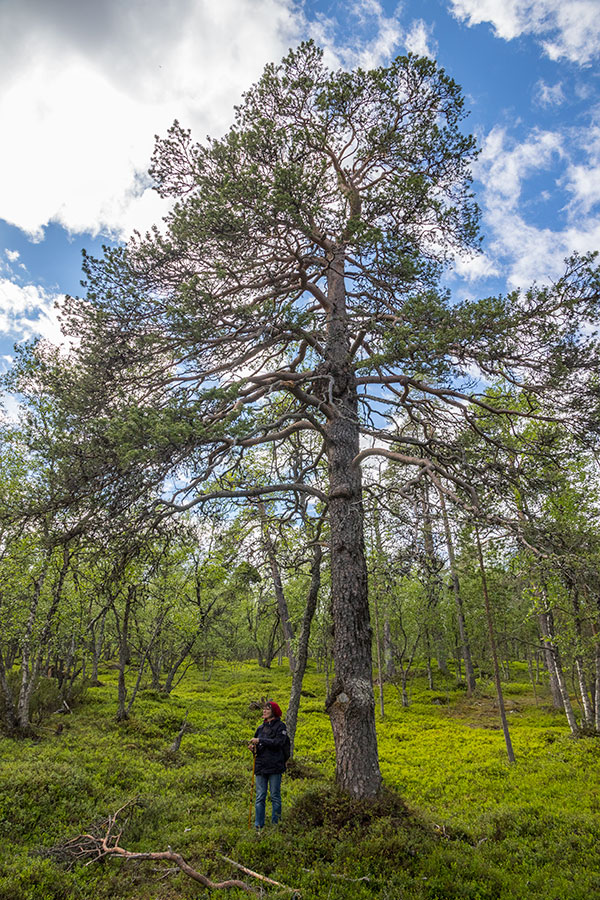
(275, 708)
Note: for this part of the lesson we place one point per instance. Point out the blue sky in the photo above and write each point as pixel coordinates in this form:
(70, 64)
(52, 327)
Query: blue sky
(86, 84)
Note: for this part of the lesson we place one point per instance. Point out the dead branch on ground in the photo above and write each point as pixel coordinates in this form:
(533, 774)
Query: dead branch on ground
(257, 875)
(103, 841)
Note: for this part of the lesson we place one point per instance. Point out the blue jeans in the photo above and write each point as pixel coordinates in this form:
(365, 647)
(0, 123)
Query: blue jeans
(273, 783)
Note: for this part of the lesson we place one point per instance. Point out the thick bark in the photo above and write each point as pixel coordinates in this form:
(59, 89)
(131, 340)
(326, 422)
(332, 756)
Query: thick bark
(351, 702)
(291, 716)
(284, 614)
(460, 616)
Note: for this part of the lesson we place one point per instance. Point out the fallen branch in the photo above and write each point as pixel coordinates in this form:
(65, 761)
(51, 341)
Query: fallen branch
(185, 867)
(89, 848)
(342, 877)
(257, 875)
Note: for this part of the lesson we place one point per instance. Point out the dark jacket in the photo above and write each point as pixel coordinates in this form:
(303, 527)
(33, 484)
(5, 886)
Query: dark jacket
(270, 759)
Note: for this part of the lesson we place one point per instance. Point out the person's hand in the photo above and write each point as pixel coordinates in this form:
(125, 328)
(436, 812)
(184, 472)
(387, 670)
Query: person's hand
(253, 744)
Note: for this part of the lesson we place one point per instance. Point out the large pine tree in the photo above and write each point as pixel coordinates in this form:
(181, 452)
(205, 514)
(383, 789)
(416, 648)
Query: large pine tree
(292, 288)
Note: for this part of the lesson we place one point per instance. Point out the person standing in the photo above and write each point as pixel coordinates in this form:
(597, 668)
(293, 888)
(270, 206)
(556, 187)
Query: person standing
(269, 744)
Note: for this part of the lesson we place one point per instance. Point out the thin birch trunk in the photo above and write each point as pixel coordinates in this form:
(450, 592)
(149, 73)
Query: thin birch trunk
(547, 627)
(97, 643)
(10, 712)
(532, 676)
(284, 615)
(460, 616)
(390, 669)
(586, 704)
(23, 701)
(597, 707)
(432, 581)
(378, 555)
(142, 664)
(32, 667)
(490, 623)
(291, 716)
(124, 654)
(587, 710)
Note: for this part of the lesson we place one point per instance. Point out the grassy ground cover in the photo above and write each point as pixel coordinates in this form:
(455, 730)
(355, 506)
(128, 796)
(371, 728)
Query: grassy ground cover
(456, 821)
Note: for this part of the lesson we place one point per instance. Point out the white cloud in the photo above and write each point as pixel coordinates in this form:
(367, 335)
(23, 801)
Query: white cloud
(583, 182)
(582, 177)
(475, 267)
(384, 34)
(521, 249)
(12, 255)
(27, 311)
(567, 29)
(419, 40)
(508, 166)
(549, 94)
(107, 76)
(84, 87)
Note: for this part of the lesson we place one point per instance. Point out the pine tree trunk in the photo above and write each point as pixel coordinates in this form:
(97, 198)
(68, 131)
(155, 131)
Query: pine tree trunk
(351, 701)
(32, 664)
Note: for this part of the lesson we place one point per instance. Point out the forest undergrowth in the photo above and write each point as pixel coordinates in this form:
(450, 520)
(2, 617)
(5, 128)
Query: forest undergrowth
(455, 821)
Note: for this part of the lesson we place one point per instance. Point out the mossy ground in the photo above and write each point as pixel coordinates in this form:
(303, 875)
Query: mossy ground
(456, 822)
